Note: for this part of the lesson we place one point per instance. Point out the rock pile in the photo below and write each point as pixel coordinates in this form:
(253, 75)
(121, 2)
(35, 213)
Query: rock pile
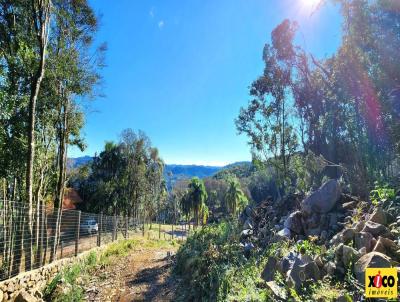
(353, 234)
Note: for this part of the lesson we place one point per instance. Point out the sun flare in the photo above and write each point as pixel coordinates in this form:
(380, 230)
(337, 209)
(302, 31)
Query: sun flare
(311, 3)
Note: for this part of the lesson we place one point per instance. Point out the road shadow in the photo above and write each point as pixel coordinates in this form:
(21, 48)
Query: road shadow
(159, 282)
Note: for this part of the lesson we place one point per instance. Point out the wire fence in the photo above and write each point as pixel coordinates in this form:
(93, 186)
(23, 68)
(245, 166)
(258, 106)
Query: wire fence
(32, 240)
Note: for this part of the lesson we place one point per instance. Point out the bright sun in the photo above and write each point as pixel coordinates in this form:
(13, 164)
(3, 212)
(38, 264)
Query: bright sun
(311, 3)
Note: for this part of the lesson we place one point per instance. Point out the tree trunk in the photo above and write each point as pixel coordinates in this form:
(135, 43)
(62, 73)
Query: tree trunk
(62, 163)
(41, 18)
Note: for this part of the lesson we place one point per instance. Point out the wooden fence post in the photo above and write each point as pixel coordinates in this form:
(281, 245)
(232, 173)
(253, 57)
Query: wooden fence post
(62, 249)
(115, 229)
(143, 224)
(77, 233)
(100, 227)
(126, 227)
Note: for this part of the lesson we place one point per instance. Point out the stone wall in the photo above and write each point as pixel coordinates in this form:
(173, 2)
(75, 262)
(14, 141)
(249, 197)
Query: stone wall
(35, 281)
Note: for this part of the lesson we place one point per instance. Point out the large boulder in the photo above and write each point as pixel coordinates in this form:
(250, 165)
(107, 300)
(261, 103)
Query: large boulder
(293, 223)
(348, 235)
(324, 199)
(349, 256)
(373, 259)
(376, 229)
(270, 268)
(301, 272)
(363, 239)
(379, 216)
(386, 246)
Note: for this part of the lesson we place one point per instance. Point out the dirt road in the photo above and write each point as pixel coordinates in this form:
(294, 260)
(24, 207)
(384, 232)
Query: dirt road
(144, 275)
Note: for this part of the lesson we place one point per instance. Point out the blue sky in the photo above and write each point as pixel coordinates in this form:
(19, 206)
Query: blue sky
(180, 70)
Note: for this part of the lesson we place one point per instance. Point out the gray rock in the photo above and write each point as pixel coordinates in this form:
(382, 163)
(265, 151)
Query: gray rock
(350, 205)
(296, 275)
(284, 265)
(318, 261)
(246, 233)
(324, 199)
(324, 235)
(278, 292)
(270, 268)
(249, 211)
(311, 271)
(306, 258)
(339, 254)
(333, 219)
(313, 232)
(293, 222)
(385, 246)
(358, 226)
(330, 268)
(349, 255)
(373, 259)
(379, 216)
(248, 224)
(301, 272)
(362, 251)
(363, 239)
(347, 235)
(284, 233)
(376, 229)
(24, 296)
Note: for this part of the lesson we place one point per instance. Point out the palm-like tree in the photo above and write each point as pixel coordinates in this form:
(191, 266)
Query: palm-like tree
(234, 197)
(194, 199)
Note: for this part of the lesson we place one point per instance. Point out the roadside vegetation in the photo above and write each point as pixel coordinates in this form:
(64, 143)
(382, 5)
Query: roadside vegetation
(68, 285)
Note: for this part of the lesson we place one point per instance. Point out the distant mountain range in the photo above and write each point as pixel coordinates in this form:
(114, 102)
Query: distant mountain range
(76, 162)
(172, 172)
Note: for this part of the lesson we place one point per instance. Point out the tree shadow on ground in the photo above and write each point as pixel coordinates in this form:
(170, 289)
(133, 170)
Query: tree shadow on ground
(160, 288)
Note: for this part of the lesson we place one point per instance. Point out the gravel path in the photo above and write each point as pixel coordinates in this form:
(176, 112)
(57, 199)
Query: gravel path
(144, 275)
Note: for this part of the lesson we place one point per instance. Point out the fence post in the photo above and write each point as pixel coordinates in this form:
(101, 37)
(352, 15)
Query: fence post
(114, 227)
(62, 249)
(100, 227)
(78, 227)
(143, 224)
(126, 227)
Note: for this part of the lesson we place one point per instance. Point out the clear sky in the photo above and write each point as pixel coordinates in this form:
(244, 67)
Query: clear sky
(180, 70)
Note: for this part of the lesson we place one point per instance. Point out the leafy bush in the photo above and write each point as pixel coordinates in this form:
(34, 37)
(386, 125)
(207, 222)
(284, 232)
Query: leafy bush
(381, 194)
(213, 267)
(308, 247)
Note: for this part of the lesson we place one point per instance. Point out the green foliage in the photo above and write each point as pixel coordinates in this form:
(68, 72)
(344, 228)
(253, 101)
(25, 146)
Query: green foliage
(234, 197)
(213, 268)
(308, 247)
(117, 249)
(193, 201)
(64, 287)
(381, 194)
(126, 177)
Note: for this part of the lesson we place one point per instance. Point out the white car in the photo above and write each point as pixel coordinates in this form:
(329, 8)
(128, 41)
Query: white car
(89, 226)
